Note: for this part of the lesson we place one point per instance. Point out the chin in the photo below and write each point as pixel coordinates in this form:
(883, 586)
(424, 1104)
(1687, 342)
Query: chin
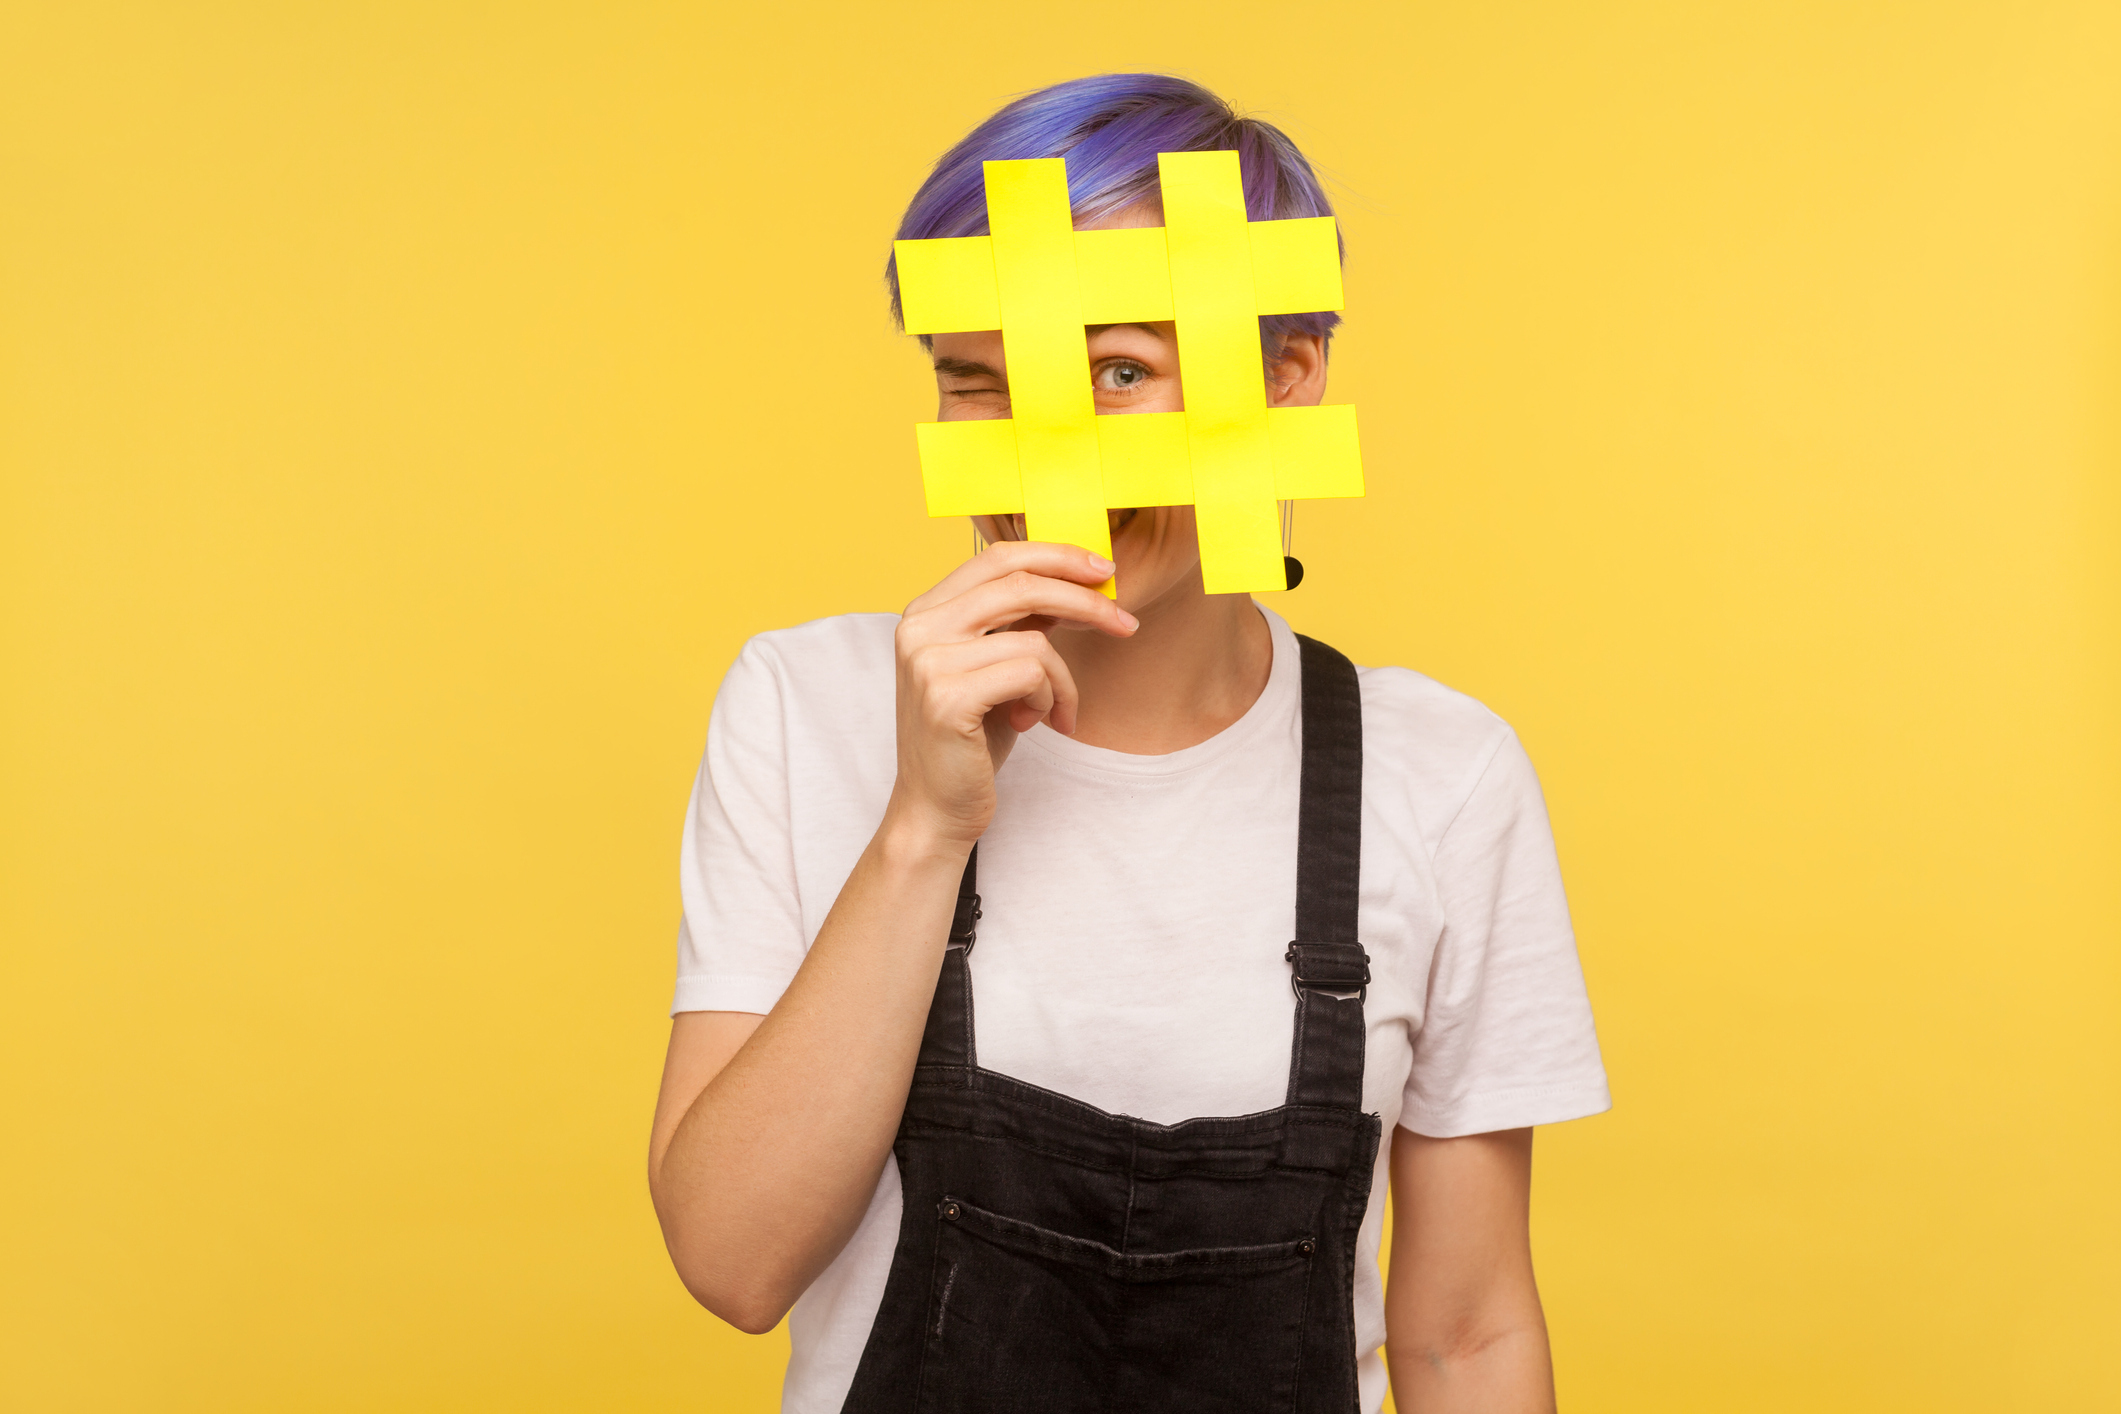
(1153, 547)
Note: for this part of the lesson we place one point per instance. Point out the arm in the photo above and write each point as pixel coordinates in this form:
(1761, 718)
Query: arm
(1464, 1329)
(770, 1132)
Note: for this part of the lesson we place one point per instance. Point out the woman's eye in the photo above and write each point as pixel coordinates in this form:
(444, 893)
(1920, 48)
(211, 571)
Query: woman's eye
(1121, 375)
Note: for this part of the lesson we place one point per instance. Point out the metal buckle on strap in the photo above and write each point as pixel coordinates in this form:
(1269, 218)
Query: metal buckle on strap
(964, 930)
(1332, 968)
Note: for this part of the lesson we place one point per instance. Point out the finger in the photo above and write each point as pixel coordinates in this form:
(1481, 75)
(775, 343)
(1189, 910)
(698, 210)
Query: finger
(1022, 717)
(973, 695)
(1001, 602)
(1057, 704)
(1056, 700)
(1070, 562)
(1058, 561)
(1041, 696)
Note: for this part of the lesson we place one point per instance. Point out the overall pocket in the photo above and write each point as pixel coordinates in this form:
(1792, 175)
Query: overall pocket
(1021, 1318)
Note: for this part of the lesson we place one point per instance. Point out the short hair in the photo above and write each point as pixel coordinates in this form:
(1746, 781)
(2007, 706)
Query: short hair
(1110, 127)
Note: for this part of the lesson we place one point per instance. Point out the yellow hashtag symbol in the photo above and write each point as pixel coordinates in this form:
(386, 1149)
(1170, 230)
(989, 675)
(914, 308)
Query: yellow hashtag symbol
(1040, 281)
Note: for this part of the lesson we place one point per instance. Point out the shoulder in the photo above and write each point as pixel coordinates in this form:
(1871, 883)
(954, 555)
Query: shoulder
(806, 672)
(1426, 746)
(1415, 724)
(818, 654)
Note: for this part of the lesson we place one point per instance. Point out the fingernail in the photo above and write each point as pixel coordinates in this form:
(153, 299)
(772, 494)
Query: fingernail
(1101, 564)
(1128, 621)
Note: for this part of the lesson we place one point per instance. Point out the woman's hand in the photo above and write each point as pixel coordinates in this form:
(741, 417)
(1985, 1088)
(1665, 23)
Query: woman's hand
(975, 668)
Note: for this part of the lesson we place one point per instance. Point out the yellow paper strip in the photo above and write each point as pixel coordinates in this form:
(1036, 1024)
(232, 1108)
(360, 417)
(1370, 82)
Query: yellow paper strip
(1042, 338)
(1295, 266)
(1316, 453)
(1056, 505)
(969, 468)
(1125, 275)
(947, 286)
(1240, 546)
(1146, 461)
(1219, 358)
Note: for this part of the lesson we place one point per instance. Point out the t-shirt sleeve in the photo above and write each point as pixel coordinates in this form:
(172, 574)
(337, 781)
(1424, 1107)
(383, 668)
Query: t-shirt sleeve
(741, 938)
(1506, 1039)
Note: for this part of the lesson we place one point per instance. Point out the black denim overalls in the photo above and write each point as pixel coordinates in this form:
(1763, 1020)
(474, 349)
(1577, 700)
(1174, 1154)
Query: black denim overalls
(1054, 1257)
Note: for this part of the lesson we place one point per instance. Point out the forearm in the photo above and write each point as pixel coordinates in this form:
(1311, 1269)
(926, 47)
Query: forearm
(771, 1167)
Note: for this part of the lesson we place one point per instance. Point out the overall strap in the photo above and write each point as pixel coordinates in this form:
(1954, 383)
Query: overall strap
(948, 1038)
(1328, 967)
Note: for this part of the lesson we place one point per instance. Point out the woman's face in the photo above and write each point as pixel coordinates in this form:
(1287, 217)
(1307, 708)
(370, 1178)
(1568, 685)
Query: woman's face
(1132, 368)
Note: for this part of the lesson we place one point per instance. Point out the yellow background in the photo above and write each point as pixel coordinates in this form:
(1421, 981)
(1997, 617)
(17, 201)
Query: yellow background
(407, 410)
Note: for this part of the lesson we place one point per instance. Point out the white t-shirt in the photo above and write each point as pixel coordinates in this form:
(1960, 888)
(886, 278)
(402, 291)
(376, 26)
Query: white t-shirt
(1136, 910)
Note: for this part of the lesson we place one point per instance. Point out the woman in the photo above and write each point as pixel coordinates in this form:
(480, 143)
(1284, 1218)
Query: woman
(1148, 1177)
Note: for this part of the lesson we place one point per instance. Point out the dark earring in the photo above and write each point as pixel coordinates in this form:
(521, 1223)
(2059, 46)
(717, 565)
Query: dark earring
(1293, 568)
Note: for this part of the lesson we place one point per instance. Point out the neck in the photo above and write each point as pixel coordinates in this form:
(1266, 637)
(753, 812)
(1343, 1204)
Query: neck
(1197, 663)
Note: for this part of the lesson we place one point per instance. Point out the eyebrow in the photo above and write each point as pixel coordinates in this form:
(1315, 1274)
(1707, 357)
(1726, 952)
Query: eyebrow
(966, 368)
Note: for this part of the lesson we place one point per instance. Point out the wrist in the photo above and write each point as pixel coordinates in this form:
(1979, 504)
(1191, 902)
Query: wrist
(916, 840)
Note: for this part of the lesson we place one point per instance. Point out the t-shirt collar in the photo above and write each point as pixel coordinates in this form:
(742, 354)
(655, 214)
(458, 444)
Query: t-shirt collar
(1274, 709)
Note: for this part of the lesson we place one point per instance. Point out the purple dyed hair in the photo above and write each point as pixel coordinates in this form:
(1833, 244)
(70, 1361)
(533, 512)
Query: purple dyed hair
(1110, 128)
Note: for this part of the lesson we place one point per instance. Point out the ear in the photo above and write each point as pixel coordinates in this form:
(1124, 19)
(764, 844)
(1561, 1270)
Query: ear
(1296, 375)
